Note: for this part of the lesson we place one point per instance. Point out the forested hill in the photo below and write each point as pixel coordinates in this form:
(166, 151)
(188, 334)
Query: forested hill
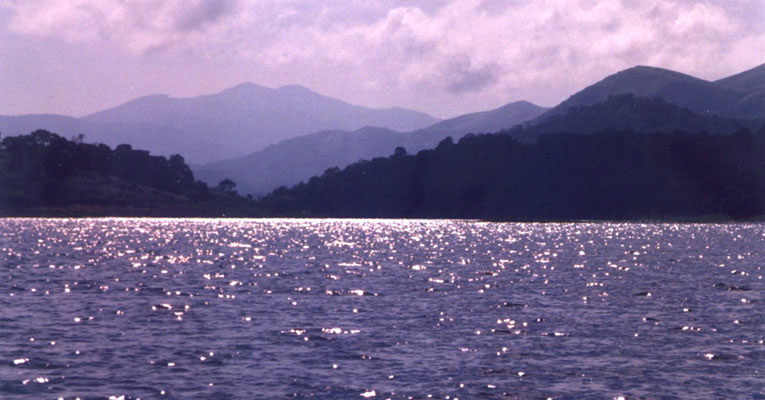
(629, 112)
(607, 176)
(45, 174)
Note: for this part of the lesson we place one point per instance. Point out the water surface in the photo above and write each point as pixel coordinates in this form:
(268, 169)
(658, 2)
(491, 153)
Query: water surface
(330, 309)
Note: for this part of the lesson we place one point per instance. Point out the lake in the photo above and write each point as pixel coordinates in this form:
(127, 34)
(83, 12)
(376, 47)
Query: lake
(382, 309)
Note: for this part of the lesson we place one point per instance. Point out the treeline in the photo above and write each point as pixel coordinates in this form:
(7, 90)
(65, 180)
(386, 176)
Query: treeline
(43, 169)
(613, 175)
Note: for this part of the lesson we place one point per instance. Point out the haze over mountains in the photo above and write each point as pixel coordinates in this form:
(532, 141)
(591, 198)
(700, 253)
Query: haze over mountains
(234, 122)
(494, 120)
(291, 133)
(294, 160)
(642, 143)
(641, 99)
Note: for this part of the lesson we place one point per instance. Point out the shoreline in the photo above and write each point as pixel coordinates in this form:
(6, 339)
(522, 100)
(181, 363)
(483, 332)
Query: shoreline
(89, 212)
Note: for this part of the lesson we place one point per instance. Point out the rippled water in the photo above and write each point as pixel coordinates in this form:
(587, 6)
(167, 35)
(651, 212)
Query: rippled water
(326, 309)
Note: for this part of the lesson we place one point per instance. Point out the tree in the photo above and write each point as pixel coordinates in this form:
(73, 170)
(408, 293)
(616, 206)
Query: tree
(227, 186)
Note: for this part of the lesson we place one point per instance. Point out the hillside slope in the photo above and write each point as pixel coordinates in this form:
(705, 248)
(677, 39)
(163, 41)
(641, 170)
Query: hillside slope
(603, 176)
(247, 118)
(697, 95)
(234, 122)
(44, 174)
(751, 79)
(628, 112)
(294, 160)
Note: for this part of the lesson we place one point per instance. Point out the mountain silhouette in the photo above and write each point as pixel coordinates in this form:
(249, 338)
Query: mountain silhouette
(752, 79)
(249, 117)
(490, 121)
(697, 95)
(207, 128)
(609, 175)
(294, 160)
(628, 112)
(44, 174)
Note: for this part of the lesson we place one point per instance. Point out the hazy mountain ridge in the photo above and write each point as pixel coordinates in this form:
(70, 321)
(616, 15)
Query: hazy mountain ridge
(645, 143)
(488, 121)
(248, 117)
(297, 159)
(590, 157)
(140, 135)
(245, 104)
(15, 125)
(294, 160)
(208, 128)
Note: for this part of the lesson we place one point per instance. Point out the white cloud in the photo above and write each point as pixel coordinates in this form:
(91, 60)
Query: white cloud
(446, 55)
(462, 47)
(139, 25)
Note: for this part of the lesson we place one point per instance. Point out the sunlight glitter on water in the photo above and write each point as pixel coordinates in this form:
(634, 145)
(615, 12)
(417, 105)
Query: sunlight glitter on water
(449, 308)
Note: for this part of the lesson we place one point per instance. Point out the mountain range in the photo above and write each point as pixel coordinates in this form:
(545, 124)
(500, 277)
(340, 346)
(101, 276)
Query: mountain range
(294, 160)
(739, 96)
(641, 99)
(234, 122)
(627, 112)
(610, 175)
(265, 138)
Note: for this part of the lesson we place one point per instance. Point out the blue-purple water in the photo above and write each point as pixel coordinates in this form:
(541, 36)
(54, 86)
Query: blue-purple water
(346, 309)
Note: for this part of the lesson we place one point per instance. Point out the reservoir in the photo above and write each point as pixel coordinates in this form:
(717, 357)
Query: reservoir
(382, 309)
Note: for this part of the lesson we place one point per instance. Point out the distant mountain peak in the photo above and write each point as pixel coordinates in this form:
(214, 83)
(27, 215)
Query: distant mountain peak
(245, 87)
(490, 121)
(649, 72)
(750, 79)
(517, 105)
(241, 119)
(250, 87)
(154, 96)
(149, 98)
(696, 94)
(295, 88)
(650, 68)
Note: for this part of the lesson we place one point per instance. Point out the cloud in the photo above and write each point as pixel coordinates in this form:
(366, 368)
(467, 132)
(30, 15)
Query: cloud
(137, 25)
(200, 14)
(444, 55)
(461, 77)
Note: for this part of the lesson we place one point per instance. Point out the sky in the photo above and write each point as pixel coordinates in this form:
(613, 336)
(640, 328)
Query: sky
(444, 57)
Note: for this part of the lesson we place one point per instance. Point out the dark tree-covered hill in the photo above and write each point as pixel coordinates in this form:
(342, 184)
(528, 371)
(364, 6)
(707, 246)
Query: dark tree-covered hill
(294, 160)
(748, 80)
(45, 174)
(629, 112)
(610, 175)
(737, 96)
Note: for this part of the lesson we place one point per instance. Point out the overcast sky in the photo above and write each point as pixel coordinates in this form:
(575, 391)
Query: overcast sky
(444, 57)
